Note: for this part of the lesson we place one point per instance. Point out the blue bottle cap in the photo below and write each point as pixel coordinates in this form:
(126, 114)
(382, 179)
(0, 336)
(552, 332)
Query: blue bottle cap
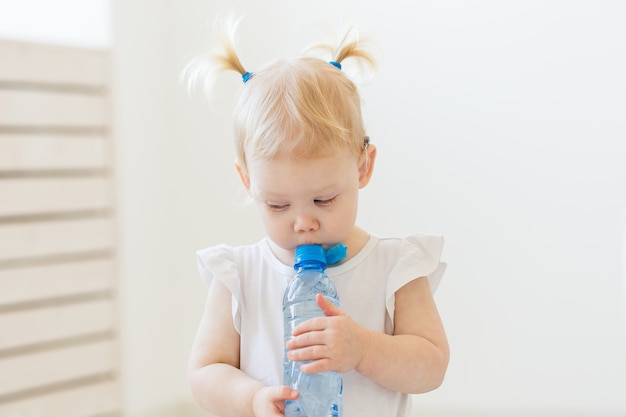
(336, 253)
(309, 253)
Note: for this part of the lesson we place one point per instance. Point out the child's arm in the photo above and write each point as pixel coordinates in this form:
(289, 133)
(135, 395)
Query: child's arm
(413, 360)
(217, 384)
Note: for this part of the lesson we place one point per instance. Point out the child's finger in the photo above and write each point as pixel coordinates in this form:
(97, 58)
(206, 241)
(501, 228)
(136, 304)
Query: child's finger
(328, 308)
(284, 392)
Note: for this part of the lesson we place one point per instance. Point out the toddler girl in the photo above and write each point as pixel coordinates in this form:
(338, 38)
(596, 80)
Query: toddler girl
(303, 155)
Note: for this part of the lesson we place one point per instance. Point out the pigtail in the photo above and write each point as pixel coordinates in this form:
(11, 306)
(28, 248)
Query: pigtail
(203, 70)
(349, 46)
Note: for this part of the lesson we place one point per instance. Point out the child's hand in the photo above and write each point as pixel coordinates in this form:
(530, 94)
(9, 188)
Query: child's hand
(270, 401)
(335, 342)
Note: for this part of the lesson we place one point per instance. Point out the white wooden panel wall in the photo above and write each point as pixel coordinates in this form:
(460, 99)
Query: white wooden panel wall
(58, 309)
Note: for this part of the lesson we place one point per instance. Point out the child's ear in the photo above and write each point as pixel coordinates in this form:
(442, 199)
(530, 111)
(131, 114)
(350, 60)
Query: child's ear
(243, 175)
(366, 167)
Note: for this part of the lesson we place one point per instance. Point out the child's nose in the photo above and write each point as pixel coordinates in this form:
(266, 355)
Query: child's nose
(305, 223)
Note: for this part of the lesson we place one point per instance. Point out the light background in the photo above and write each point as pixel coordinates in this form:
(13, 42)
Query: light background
(501, 125)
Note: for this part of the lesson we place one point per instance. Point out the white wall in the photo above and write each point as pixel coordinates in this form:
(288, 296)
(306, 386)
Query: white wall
(499, 124)
(63, 22)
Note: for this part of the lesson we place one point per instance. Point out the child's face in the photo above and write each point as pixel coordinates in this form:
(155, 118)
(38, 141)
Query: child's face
(304, 201)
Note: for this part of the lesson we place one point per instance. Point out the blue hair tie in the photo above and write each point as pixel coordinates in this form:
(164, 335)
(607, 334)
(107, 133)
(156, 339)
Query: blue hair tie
(336, 64)
(245, 77)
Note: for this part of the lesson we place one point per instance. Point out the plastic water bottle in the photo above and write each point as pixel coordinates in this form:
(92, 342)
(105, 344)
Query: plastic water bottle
(320, 393)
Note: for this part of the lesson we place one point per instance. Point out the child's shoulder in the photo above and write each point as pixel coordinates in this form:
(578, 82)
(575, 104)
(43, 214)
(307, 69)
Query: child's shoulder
(229, 258)
(227, 250)
(430, 243)
(410, 249)
(228, 261)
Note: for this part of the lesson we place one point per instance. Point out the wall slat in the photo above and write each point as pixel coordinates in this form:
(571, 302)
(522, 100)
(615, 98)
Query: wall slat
(25, 196)
(89, 400)
(58, 292)
(39, 152)
(42, 325)
(55, 366)
(51, 109)
(32, 284)
(19, 240)
(27, 62)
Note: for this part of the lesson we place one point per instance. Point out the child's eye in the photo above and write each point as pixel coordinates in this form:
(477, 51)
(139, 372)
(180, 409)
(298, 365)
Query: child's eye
(327, 202)
(277, 207)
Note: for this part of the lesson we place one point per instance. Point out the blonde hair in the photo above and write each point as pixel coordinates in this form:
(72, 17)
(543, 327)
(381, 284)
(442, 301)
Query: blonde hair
(301, 107)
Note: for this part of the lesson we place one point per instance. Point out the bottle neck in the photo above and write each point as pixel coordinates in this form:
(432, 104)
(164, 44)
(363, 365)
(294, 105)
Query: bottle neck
(310, 265)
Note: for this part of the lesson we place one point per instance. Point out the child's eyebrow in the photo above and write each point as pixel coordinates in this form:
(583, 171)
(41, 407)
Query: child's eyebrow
(279, 195)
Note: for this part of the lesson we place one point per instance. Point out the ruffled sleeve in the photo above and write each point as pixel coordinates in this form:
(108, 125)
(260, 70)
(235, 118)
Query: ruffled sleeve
(420, 257)
(219, 262)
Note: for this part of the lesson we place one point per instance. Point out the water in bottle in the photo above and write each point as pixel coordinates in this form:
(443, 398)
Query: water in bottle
(320, 394)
